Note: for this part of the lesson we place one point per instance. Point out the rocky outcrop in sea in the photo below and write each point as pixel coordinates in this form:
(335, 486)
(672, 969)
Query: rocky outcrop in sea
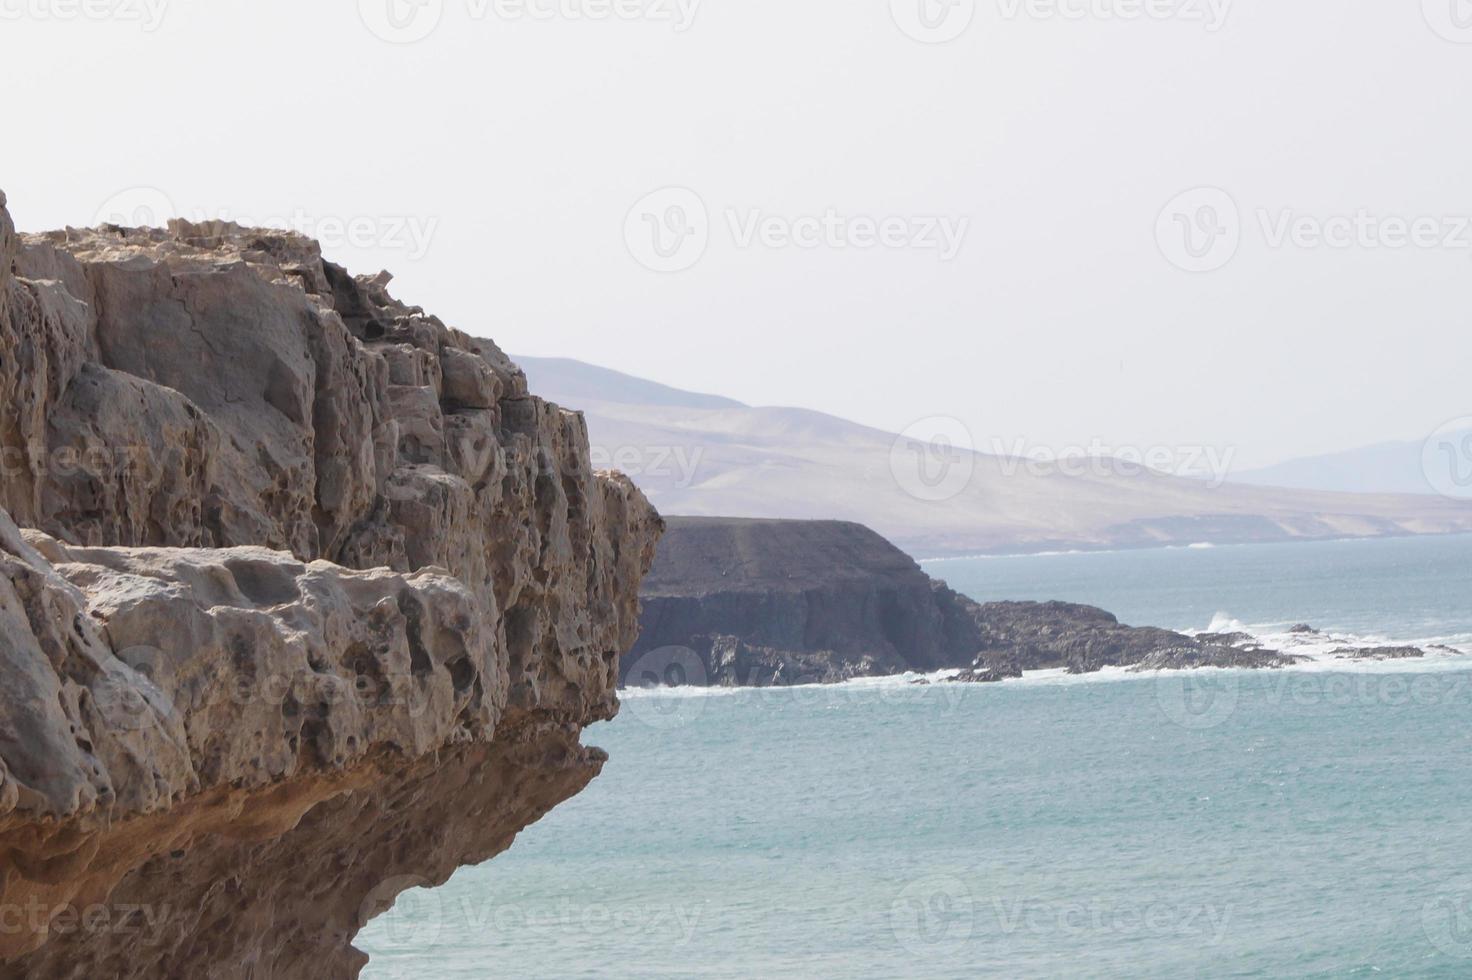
(733, 602)
(306, 601)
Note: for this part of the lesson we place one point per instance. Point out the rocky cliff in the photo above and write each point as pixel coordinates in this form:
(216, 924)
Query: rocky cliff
(765, 601)
(732, 602)
(306, 601)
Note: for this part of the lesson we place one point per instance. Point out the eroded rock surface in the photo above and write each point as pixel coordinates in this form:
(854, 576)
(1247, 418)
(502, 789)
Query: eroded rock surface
(305, 602)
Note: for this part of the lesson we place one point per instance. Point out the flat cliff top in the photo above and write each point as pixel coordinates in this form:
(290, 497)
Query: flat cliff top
(700, 556)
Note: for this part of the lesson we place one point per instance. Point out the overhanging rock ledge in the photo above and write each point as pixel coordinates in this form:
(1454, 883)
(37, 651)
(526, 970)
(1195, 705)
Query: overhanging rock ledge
(305, 601)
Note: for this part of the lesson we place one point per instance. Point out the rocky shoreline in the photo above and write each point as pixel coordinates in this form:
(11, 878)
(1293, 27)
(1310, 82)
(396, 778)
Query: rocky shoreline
(736, 602)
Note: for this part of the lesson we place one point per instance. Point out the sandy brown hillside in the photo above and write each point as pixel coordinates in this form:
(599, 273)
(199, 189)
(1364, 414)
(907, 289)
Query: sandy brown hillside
(702, 455)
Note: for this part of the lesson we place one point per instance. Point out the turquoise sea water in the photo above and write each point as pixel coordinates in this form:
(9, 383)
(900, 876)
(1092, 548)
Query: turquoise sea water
(1313, 822)
(1404, 588)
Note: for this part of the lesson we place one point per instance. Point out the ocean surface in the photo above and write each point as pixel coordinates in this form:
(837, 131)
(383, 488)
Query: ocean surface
(1309, 822)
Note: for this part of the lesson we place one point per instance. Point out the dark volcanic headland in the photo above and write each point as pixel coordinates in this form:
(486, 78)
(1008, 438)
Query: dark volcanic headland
(732, 602)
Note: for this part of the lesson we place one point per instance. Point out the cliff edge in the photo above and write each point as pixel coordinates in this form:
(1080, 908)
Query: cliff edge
(306, 601)
(781, 602)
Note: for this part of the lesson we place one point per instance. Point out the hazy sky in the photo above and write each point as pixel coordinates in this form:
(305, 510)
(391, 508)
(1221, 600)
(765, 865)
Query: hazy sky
(990, 228)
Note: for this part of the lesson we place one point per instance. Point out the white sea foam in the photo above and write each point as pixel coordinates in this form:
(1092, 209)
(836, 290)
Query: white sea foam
(1322, 649)
(1443, 653)
(1021, 554)
(1226, 623)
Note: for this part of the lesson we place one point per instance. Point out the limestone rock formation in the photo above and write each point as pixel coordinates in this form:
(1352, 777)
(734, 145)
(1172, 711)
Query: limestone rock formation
(735, 602)
(305, 602)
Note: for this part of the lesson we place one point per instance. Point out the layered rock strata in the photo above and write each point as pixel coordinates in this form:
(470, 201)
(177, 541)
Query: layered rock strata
(306, 600)
(782, 602)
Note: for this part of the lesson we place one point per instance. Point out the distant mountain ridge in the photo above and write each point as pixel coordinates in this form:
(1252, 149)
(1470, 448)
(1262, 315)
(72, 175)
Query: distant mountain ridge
(1387, 467)
(577, 380)
(708, 456)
